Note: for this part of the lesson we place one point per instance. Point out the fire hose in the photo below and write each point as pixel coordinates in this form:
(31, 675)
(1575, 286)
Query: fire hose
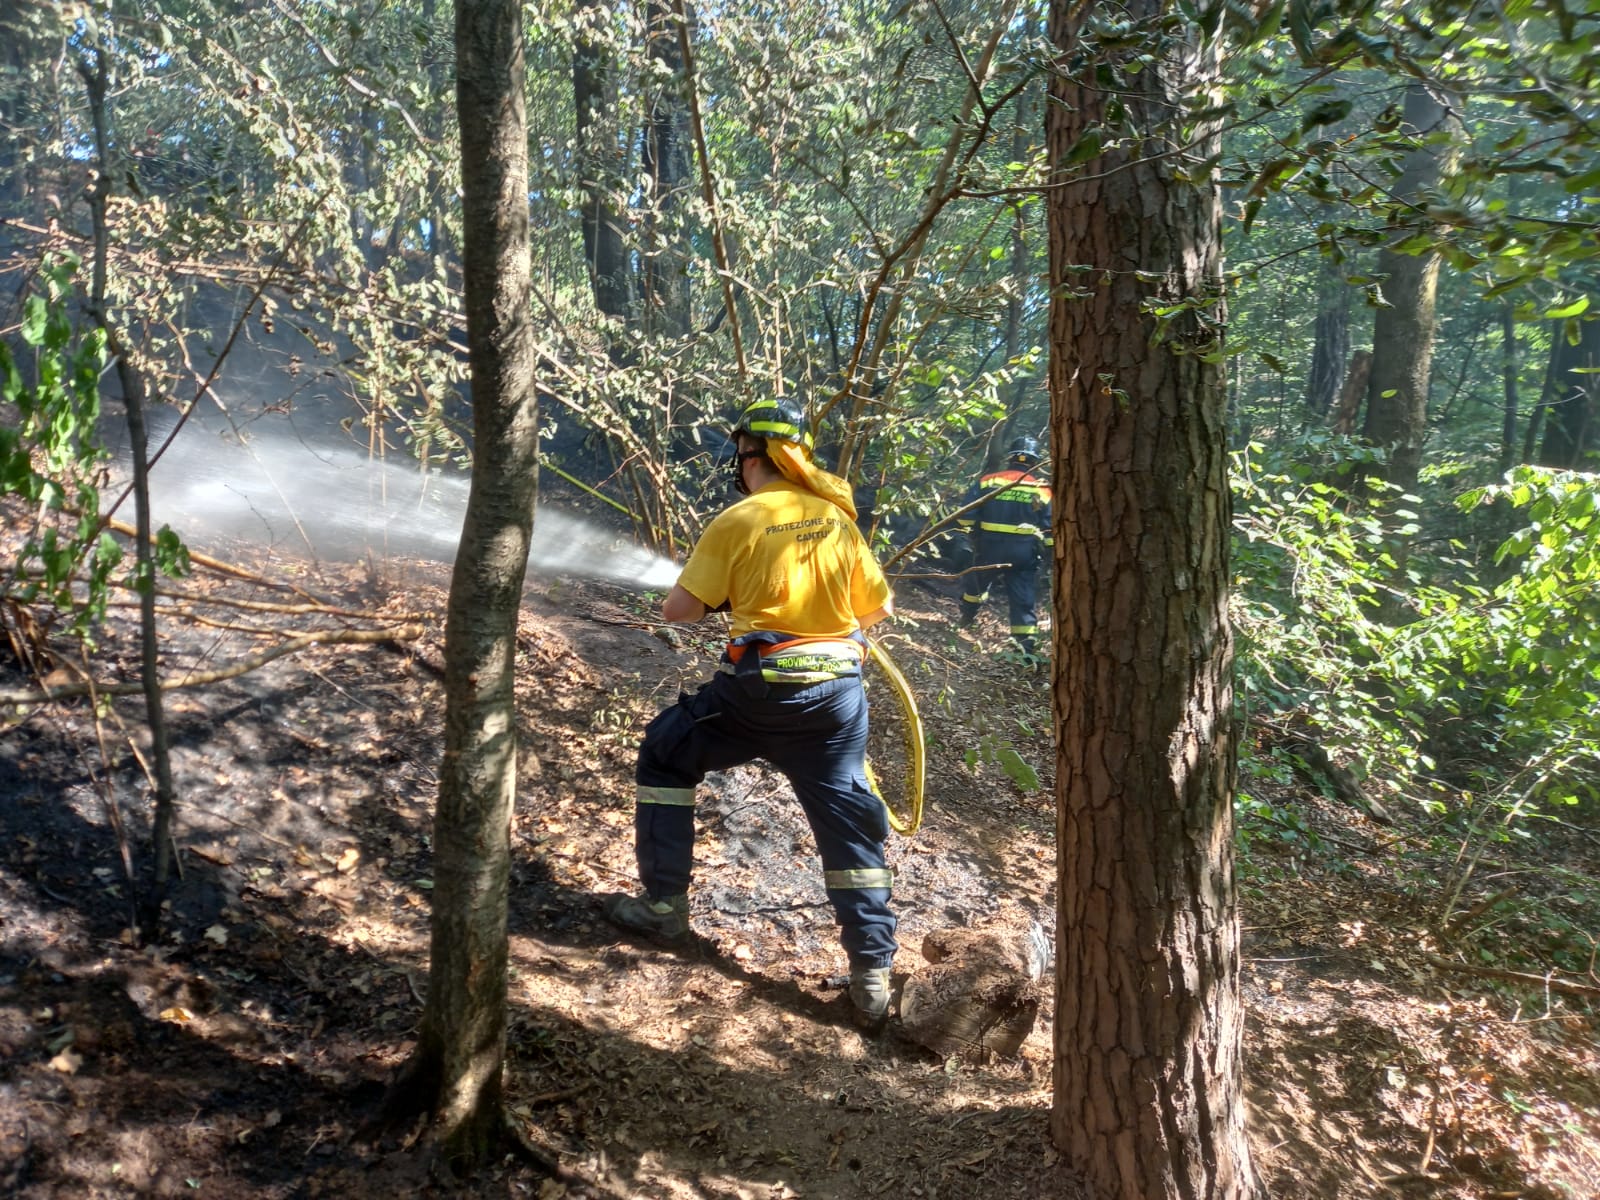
(896, 756)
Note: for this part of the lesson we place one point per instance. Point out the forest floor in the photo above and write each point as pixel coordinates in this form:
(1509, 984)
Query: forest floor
(240, 1056)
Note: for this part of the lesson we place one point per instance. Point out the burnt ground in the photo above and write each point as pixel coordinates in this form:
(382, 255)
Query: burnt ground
(240, 1055)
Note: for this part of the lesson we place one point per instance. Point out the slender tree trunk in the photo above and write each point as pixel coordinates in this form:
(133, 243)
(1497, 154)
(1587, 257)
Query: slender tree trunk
(132, 383)
(14, 139)
(1148, 1102)
(1508, 377)
(1343, 419)
(455, 1071)
(601, 163)
(1021, 276)
(725, 247)
(867, 355)
(666, 165)
(1403, 333)
(1331, 330)
(1331, 341)
(436, 202)
(1571, 434)
(1547, 392)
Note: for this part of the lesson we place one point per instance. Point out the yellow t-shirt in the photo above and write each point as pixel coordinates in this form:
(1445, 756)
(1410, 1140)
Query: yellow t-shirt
(786, 560)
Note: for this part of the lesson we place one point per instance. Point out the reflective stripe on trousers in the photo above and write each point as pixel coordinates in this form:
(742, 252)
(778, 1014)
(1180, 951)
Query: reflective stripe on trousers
(815, 735)
(1021, 579)
(863, 877)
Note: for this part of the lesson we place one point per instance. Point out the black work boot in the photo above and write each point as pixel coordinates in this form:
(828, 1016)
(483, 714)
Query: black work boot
(666, 919)
(869, 993)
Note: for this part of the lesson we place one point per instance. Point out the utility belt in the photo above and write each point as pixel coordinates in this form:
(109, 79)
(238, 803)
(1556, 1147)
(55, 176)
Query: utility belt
(767, 656)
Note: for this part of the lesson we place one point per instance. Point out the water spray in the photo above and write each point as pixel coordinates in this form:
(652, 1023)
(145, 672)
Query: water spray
(565, 545)
(339, 503)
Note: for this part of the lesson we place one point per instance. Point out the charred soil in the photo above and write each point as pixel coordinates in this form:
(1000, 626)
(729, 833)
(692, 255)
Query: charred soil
(239, 1056)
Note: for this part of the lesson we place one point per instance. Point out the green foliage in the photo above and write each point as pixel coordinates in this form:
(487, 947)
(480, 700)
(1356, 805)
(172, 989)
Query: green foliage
(1258, 820)
(1313, 576)
(995, 750)
(51, 458)
(1534, 637)
(1506, 675)
(999, 738)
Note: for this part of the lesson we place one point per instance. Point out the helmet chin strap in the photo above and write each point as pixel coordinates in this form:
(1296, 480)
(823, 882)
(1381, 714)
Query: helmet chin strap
(739, 460)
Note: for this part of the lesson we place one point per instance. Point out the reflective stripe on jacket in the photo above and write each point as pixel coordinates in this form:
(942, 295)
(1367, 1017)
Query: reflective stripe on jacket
(1016, 502)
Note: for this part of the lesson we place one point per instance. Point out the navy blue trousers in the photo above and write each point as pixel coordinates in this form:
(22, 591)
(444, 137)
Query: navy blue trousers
(816, 735)
(1021, 581)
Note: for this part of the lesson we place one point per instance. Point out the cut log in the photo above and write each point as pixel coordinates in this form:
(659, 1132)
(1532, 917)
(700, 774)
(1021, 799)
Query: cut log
(980, 992)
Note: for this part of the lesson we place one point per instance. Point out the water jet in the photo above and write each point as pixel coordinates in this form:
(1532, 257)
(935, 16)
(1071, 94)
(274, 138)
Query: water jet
(276, 490)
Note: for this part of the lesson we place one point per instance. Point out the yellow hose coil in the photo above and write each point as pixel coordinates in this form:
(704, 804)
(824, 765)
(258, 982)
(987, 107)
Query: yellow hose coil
(898, 745)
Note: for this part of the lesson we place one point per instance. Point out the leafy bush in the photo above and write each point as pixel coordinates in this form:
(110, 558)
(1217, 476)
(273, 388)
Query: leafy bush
(52, 460)
(1514, 666)
(1536, 635)
(1312, 579)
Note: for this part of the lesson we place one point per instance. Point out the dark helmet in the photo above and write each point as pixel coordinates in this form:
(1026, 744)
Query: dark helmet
(782, 418)
(1024, 450)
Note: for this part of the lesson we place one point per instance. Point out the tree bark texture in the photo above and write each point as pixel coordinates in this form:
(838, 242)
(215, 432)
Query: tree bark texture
(462, 1044)
(1403, 333)
(1148, 1100)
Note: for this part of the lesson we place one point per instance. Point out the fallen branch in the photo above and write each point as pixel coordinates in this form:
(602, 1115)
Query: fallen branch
(221, 567)
(237, 824)
(314, 607)
(1353, 847)
(328, 637)
(897, 575)
(557, 1095)
(647, 626)
(1551, 982)
(1457, 925)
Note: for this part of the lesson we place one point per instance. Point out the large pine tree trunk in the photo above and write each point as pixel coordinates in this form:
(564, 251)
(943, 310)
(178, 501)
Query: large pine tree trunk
(456, 1069)
(1148, 1100)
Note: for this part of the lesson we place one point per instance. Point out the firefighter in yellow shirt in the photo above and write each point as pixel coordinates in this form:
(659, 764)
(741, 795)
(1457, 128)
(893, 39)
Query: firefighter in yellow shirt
(790, 566)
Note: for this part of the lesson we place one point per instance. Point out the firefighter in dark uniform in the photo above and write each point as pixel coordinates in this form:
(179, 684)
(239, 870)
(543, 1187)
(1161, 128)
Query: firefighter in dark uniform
(1008, 530)
(790, 566)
